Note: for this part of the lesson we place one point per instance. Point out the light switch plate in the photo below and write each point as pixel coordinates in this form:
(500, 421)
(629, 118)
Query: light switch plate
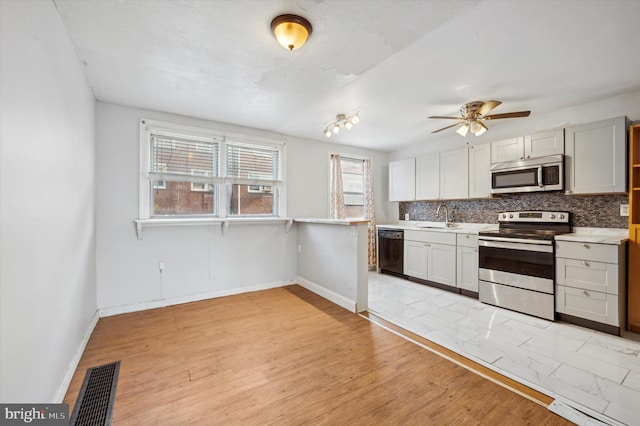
(624, 209)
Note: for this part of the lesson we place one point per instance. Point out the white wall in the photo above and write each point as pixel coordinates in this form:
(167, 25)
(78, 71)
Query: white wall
(47, 214)
(625, 104)
(198, 259)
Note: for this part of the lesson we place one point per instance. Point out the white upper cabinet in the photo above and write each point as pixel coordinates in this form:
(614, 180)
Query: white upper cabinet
(454, 174)
(524, 147)
(595, 161)
(507, 150)
(428, 177)
(479, 171)
(402, 180)
(544, 143)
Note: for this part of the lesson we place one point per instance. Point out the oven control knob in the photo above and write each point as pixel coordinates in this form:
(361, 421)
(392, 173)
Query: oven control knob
(561, 216)
(510, 216)
(504, 216)
(552, 216)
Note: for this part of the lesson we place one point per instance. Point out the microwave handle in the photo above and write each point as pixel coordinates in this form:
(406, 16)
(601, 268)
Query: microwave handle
(540, 183)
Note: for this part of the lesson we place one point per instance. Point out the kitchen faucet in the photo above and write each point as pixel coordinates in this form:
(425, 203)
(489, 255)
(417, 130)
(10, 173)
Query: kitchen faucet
(447, 223)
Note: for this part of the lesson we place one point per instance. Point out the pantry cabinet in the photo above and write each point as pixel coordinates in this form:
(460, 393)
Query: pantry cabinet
(595, 161)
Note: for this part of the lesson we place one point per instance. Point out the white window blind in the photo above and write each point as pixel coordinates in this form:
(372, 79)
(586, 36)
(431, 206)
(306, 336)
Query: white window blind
(174, 157)
(253, 164)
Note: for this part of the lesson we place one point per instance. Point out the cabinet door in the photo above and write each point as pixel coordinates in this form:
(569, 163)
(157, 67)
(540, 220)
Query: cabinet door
(479, 171)
(428, 177)
(467, 268)
(507, 150)
(441, 266)
(415, 259)
(596, 157)
(544, 143)
(454, 174)
(402, 180)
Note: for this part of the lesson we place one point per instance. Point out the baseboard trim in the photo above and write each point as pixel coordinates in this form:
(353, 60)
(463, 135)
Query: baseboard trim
(125, 309)
(330, 295)
(73, 364)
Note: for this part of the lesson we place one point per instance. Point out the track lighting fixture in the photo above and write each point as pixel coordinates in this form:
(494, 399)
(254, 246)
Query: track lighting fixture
(342, 120)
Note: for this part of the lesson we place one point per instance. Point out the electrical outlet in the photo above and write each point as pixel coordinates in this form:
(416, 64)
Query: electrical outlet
(624, 209)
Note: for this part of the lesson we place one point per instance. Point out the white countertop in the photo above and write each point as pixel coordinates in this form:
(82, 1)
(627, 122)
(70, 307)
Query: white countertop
(331, 221)
(458, 228)
(583, 235)
(596, 235)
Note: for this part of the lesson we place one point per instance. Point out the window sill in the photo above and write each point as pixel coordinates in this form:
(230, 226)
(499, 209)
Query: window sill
(223, 222)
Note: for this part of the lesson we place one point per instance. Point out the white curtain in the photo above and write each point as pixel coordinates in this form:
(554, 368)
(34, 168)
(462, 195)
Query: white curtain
(336, 191)
(370, 211)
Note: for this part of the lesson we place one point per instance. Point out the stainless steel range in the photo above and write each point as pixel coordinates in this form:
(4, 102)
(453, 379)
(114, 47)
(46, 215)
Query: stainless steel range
(517, 262)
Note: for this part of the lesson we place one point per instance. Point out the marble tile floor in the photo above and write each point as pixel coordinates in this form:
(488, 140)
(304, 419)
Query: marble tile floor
(584, 370)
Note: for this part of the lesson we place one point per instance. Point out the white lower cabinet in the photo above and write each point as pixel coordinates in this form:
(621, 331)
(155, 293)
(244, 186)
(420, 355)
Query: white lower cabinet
(442, 264)
(415, 259)
(467, 262)
(590, 281)
(430, 256)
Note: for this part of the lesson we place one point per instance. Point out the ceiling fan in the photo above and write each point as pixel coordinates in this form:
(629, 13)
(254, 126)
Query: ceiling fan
(474, 113)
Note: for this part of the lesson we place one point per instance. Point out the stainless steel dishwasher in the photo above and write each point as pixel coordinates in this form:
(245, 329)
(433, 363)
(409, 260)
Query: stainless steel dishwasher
(391, 251)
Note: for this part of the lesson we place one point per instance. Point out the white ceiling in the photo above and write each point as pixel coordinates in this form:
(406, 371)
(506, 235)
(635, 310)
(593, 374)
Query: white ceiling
(394, 61)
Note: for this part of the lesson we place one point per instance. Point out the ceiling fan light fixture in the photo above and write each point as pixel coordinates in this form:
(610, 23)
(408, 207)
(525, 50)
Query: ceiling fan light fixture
(481, 131)
(327, 133)
(475, 127)
(291, 31)
(336, 128)
(355, 119)
(462, 130)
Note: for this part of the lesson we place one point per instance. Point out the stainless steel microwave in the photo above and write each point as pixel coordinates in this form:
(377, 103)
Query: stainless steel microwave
(531, 175)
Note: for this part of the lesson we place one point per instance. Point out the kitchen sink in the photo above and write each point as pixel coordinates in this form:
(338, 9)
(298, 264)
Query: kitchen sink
(437, 226)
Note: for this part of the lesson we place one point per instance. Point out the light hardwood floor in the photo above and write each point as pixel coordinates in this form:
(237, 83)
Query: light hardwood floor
(286, 356)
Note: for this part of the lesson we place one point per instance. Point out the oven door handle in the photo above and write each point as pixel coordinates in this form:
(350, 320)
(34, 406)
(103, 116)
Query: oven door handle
(512, 245)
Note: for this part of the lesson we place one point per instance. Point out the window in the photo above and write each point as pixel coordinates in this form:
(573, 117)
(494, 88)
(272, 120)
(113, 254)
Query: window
(353, 187)
(195, 172)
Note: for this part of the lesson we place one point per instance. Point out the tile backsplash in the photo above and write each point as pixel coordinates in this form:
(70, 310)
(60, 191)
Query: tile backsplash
(593, 211)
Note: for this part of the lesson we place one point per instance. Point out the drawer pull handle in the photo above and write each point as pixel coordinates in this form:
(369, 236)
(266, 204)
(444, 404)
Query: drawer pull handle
(586, 246)
(585, 263)
(586, 293)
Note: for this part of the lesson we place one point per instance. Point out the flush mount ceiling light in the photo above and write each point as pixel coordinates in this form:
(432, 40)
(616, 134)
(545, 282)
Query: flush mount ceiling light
(291, 31)
(342, 120)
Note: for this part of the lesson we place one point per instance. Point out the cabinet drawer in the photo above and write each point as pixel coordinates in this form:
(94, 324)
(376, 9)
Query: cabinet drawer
(467, 240)
(430, 237)
(607, 253)
(587, 275)
(591, 305)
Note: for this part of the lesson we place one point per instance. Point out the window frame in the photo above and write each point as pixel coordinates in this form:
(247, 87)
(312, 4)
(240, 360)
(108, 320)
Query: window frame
(148, 127)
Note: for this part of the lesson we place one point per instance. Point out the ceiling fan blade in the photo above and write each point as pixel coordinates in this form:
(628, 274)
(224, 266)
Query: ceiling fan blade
(507, 115)
(448, 127)
(488, 106)
(448, 118)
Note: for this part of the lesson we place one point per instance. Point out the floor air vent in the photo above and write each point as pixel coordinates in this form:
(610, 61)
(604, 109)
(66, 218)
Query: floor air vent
(97, 396)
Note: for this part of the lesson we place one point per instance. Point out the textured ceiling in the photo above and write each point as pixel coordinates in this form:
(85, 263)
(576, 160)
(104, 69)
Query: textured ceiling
(395, 61)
